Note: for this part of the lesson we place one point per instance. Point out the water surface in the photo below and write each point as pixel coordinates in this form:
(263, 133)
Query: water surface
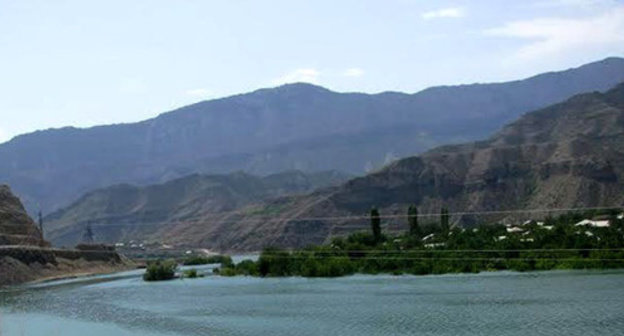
(546, 303)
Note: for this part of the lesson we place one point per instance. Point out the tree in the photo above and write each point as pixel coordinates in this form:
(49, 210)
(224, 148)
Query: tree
(412, 219)
(444, 219)
(375, 224)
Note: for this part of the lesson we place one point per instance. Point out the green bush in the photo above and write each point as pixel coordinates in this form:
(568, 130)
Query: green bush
(247, 267)
(200, 260)
(275, 262)
(160, 270)
(192, 273)
(228, 271)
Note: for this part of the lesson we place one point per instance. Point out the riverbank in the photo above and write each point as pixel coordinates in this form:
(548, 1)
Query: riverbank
(557, 243)
(23, 264)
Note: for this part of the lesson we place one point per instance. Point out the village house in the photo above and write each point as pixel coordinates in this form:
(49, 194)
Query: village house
(593, 223)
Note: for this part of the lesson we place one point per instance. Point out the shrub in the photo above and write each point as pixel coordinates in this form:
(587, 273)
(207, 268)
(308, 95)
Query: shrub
(228, 271)
(275, 262)
(192, 273)
(215, 259)
(160, 270)
(247, 267)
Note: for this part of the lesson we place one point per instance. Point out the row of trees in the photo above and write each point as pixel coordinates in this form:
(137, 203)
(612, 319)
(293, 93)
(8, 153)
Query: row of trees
(559, 245)
(412, 221)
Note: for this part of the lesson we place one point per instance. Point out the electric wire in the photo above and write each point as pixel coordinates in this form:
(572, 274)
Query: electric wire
(219, 217)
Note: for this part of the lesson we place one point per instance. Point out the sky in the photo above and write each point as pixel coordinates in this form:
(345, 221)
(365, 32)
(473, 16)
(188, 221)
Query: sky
(84, 63)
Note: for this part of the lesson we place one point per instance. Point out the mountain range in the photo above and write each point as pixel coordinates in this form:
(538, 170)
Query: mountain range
(297, 126)
(567, 155)
(125, 212)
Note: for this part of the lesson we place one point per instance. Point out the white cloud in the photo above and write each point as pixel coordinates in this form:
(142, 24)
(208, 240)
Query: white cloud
(583, 4)
(453, 12)
(307, 75)
(200, 93)
(554, 36)
(353, 72)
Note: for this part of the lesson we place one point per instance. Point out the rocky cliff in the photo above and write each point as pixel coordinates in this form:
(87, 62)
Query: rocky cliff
(25, 256)
(16, 227)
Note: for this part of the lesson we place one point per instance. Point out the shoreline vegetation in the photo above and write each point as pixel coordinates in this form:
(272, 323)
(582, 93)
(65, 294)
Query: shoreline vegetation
(569, 241)
(166, 269)
(555, 243)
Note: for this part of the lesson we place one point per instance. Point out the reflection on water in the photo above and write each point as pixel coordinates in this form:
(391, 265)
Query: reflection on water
(551, 303)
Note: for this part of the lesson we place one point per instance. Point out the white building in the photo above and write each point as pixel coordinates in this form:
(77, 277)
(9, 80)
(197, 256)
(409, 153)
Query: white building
(434, 245)
(594, 223)
(532, 221)
(427, 237)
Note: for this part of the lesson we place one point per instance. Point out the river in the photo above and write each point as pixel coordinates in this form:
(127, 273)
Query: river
(506, 303)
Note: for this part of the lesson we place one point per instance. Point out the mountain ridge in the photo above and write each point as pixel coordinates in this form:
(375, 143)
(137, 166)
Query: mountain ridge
(114, 210)
(567, 155)
(299, 127)
(306, 84)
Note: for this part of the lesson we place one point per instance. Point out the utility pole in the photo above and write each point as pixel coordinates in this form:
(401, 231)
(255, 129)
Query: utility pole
(87, 237)
(41, 224)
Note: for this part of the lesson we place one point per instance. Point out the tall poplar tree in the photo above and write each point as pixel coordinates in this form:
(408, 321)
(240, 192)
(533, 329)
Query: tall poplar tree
(375, 224)
(444, 219)
(412, 220)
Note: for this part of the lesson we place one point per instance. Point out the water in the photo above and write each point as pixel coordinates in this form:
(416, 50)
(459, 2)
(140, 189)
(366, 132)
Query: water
(548, 303)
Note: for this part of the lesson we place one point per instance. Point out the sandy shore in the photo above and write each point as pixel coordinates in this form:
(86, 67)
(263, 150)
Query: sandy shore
(21, 265)
(83, 272)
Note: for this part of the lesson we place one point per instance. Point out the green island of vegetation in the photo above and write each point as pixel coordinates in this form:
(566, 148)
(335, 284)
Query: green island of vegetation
(160, 270)
(191, 274)
(563, 242)
(214, 259)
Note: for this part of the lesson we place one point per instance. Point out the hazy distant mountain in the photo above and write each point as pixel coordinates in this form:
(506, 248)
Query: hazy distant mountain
(567, 155)
(296, 126)
(124, 212)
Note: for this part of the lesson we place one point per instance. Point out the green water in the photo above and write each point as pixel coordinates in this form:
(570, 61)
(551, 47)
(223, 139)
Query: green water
(549, 303)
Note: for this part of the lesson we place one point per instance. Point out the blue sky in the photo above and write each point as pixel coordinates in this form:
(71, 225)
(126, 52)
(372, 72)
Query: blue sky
(85, 63)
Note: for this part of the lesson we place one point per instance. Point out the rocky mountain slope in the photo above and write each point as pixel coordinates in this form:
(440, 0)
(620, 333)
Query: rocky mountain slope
(297, 126)
(125, 212)
(16, 227)
(26, 256)
(567, 155)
